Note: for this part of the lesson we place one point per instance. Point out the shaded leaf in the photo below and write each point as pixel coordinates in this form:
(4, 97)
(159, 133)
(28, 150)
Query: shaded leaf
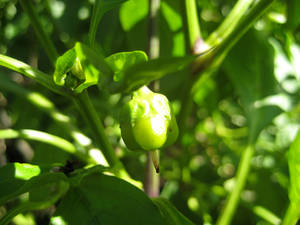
(170, 214)
(250, 68)
(100, 7)
(102, 199)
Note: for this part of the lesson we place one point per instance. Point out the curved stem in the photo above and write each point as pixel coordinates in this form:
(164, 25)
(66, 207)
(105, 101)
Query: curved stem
(39, 31)
(292, 214)
(240, 181)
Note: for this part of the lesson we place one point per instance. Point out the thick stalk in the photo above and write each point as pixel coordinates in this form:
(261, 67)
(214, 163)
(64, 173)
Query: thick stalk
(292, 214)
(240, 181)
(39, 31)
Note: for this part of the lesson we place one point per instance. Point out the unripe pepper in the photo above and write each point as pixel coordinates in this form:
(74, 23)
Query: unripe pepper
(147, 121)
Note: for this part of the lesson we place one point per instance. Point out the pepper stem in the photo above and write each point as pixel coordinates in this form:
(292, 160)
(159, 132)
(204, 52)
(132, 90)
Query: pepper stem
(155, 159)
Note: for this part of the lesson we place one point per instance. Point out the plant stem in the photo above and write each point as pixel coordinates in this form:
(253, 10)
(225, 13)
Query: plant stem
(267, 215)
(153, 47)
(230, 22)
(91, 117)
(32, 73)
(39, 31)
(152, 179)
(194, 32)
(96, 17)
(292, 214)
(240, 181)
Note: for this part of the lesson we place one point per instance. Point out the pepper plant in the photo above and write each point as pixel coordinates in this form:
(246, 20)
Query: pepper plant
(149, 112)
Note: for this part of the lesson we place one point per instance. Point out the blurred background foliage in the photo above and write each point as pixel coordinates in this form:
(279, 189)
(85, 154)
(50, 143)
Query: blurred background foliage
(197, 172)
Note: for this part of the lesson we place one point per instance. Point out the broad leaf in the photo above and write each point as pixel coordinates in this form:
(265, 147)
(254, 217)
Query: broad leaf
(102, 199)
(100, 7)
(250, 68)
(170, 214)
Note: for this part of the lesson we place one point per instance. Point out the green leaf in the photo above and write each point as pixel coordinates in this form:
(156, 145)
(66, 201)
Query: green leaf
(80, 67)
(294, 168)
(250, 68)
(143, 73)
(100, 7)
(102, 199)
(293, 16)
(123, 60)
(170, 214)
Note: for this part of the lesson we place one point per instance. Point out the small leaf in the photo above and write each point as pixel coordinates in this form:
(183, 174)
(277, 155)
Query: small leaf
(123, 60)
(170, 214)
(102, 199)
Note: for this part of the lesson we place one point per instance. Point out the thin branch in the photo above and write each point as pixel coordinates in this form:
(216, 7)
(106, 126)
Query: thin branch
(39, 31)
